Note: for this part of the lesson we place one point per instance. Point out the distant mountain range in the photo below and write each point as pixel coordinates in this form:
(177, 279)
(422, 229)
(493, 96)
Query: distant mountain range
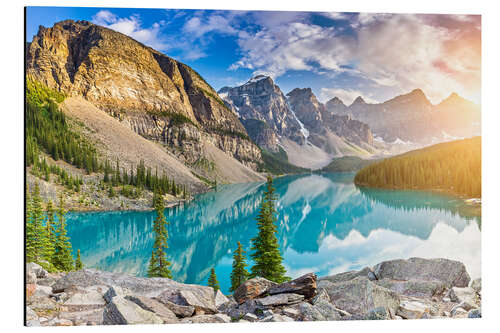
(223, 135)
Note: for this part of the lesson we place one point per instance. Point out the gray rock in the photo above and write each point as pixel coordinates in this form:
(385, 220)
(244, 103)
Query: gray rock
(475, 313)
(30, 277)
(290, 312)
(277, 318)
(347, 276)
(124, 312)
(43, 291)
(327, 310)
(467, 295)
(476, 285)
(321, 296)
(379, 313)
(83, 301)
(250, 317)
(450, 272)
(59, 322)
(220, 299)
(267, 313)
(90, 317)
(32, 323)
(202, 319)
(304, 285)
(414, 309)
(360, 295)
(156, 307)
(415, 288)
(42, 303)
(179, 310)
(458, 312)
(114, 291)
(309, 312)
(37, 269)
(252, 288)
(238, 312)
(279, 299)
(30, 314)
(201, 298)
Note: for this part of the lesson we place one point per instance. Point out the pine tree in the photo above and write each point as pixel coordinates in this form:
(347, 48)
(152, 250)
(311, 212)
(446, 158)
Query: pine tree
(30, 230)
(212, 280)
(159, 265)
(78, 262)
(62, 258)
(50, 229)
(239, 274)
(266, 253)
(38, 246)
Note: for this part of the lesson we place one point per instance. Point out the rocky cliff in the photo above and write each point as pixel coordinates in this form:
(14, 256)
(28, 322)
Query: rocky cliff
(261, 99)
(412, 118)
(158, 97)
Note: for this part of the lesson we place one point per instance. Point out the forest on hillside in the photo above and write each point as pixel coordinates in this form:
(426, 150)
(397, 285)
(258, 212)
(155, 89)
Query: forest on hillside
(453, 167)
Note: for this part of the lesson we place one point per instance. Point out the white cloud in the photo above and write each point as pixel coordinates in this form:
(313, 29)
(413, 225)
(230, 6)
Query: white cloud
(132, 27)
(198, 26)
(346, 95)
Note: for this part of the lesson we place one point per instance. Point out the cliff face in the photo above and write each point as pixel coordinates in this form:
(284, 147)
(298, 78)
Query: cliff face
(263, 100)
(319, 121)
(157, 96)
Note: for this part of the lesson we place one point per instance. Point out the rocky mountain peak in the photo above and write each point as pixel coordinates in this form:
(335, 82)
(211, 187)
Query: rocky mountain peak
(358, 101)
(334, 102)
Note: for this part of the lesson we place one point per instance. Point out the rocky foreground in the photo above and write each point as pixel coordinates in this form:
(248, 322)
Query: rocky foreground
(398, 289)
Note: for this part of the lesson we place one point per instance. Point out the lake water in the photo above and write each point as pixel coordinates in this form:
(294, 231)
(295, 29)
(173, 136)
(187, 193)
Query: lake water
(326, 225)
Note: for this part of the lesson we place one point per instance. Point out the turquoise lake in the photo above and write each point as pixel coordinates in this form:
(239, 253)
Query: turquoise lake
(326, 225)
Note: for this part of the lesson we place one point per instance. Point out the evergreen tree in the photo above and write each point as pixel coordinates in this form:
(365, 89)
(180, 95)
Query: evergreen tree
(159, 265)
(266, 253)
(62, 258)
(50, 229)
(38, 246)
(212, 280)
(78, 262)
(239, 274)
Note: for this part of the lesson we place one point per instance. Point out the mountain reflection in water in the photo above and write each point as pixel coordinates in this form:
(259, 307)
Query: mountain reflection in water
(325, 224)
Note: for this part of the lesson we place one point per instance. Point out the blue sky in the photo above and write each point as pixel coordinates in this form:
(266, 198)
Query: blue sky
(377, 56)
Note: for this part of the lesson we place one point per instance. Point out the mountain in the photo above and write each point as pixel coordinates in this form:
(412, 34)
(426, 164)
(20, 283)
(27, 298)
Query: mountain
(412, 118)
(261, 99)
(301, 124)
(159, 98)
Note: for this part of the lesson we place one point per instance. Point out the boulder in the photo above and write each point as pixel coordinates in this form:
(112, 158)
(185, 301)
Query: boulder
(475, 313)
(321, 296)
(156, 307)
(347, 276)
(37, 269)
(121, 311)
(467, 295)
(309, 312)
(450, 272)
(83, 301)
(30, 290)
(179, 310)
(360, 295)
(280, 299)
(43, 291)
(252, 288)
(32, 323)
(114, 291)
(89, 317)
(30, 314)
(327, 310)
(42, 303)
(291, 312)
(237, 312)
(199, 297)
(276, 318)
(220, 299)
(59, 322)
(476, 285)
(250, 317)
(379, 313)
(417, 288)
(30, 277)
(202, 319)
(414, 309)
(458, 312)
(304, 285)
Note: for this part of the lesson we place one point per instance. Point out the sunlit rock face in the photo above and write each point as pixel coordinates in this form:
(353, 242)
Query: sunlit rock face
(411, 118)
(158, 97)
(325, 224)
